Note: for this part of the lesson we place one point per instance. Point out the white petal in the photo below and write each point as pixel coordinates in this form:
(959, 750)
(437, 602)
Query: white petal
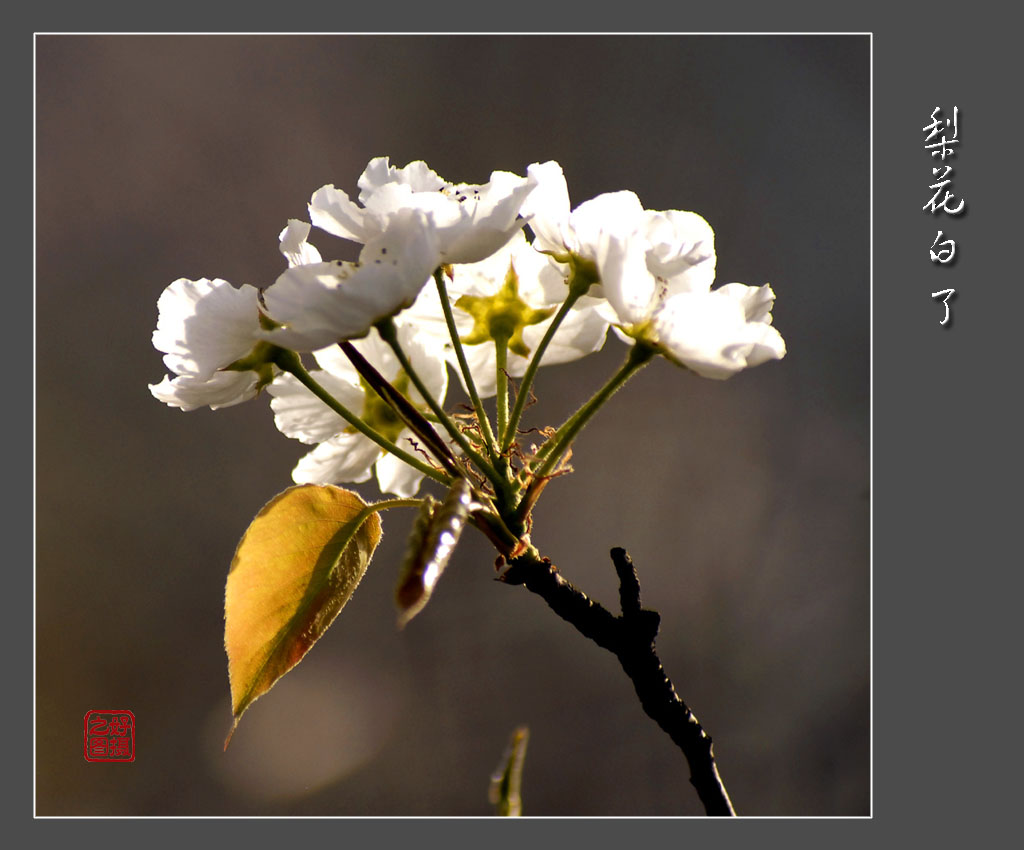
(547, 207)
(322, 303)
(332, 359)
(302, 416)
(710, 334)
(318, 305)
(379, 354)
(427, 316)
(344, 458)
(332, 210)
(471, 222)
(426, 353)
(488, 218)
(294, 246)
(205, 325)
(682, 250)
(757, 301)
(482, 363)
(541, 282)
(626, 281)
(417, 175)
(582, 332)
(769, 346)
(396, 476)
(618, 213)
(486, 277)
(222, 390)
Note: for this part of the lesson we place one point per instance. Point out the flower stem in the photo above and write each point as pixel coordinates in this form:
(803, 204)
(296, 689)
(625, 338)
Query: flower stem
(508, 435)
(389, 334)
(552, 451)
(396, 503)
(474, 396)
(501, 381)
(291, 363)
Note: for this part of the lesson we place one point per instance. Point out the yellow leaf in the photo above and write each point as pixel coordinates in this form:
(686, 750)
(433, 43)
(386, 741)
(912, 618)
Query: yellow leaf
(295, 568)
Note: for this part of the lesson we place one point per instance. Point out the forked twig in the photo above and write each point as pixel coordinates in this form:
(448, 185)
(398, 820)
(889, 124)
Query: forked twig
(630, 636)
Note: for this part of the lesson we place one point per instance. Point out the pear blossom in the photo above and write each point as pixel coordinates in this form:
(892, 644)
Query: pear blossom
(315, 304)
(343, 454)
(471, 221)
(515, 292)
(561, 233)
(211, 337)
(657, 281)
(719, 333)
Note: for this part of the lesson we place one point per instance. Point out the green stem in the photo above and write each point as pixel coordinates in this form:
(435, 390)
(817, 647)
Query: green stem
(389, 334)
(501, 381)
(291, 363)
(555, 447)
(474, 396)
(395, 503)
(508, 435)
(384, 505)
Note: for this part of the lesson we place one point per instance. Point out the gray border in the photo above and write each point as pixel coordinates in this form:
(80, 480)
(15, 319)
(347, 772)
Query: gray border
(944, 442)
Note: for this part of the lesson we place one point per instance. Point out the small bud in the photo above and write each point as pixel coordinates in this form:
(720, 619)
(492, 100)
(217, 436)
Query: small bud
(434, 536)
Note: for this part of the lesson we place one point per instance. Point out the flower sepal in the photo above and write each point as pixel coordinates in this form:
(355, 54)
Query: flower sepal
(502, 316)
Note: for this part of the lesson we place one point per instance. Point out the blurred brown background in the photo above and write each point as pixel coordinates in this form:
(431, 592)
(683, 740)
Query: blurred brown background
(745, 504)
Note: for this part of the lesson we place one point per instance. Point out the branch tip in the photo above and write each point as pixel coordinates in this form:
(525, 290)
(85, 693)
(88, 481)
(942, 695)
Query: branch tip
(629, 582)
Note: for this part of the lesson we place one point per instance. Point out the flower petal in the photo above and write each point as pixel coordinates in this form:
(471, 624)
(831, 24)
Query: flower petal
(302, 416)
(396, 476)
(681, 249)
(224, 389)
(618, 213)
(547, 207)
(627, 283)
(710, 334)
(332, 210)
(322, 303)
(471, 221)
(417, 175)
(294, 246)
(205, 325)
(346, 457)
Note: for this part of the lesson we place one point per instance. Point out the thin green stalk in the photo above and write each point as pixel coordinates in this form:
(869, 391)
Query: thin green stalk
(508, 435)
(384, 505)
(387, 504)
(501, 376)
(389, 334)
(555, 447)
(474, 396)
(290, 362)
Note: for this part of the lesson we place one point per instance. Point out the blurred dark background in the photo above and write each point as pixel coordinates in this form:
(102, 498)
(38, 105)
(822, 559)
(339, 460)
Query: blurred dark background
(744, 504)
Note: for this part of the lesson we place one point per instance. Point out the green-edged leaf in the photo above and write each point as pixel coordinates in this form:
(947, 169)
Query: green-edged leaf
(295, 568)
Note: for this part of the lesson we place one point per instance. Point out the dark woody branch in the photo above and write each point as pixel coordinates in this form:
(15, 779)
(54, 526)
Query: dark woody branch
(630, 637)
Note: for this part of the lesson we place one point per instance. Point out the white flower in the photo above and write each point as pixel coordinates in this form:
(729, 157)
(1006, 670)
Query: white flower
(471, 222)
(514, 292)
(205, 326)
(657, 281)
(560, 232)
(719, 333)
(344, 454)
(317, 304)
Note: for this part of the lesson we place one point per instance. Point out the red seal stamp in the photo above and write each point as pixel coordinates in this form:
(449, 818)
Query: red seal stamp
(109, 736)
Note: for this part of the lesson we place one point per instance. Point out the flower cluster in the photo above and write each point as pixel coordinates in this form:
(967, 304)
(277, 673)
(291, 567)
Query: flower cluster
(447, 277)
